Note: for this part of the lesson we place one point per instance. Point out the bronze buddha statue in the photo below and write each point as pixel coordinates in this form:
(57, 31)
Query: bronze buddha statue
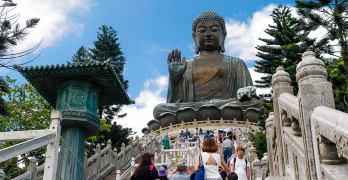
(211, 78)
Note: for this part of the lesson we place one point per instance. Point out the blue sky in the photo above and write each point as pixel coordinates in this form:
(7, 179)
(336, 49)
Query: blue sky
(147, 31)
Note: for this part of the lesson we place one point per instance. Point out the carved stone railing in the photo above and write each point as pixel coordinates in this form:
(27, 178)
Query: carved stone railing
(306, 137)
(207, 125)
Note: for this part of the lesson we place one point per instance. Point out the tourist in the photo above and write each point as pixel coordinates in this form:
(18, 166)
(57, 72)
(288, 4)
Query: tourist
(216, 134)
(196, 131)
(210, 160)
(187, 134)
(207, 135)
(232, 176)
(200, 131)
(227, 146)
(240, 165)
(162, 173)
(182, 172)
(146, 169)
(165, 141)
(182, 133)
(182, 137)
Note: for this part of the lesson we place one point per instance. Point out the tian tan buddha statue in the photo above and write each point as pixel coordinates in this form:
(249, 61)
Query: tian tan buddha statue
(211, 85)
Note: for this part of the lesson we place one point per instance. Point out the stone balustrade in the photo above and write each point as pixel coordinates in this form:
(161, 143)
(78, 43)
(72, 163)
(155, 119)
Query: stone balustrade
(306, 137)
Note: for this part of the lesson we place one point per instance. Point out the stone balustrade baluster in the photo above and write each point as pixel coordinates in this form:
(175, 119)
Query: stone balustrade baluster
(162, 155)
(32, 167)
(97, 151)
(264, 165)
(115, 155)
(118, 175)
(256, 168)
(132, 165)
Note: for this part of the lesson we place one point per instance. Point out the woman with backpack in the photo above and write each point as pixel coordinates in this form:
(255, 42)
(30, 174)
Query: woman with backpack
(146, 169)
(211, 160)
(240, 165)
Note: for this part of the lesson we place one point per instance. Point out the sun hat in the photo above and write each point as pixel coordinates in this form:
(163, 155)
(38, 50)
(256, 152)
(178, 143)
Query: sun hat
(162, 171)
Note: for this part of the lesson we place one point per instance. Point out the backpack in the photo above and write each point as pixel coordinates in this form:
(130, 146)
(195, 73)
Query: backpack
(234, 163)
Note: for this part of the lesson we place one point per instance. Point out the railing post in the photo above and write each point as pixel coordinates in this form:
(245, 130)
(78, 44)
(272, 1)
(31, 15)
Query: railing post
(2, 174)
(132, 165)
(85, 165)
(162, 155)
(32, 167)
(252, 153)
(314, 91)
(118, 175)
(51, 162)
(264, 165)
(97, 151)
(281, 84)
(173, 164)
(269, 134)
(115, 156)
(256, 166)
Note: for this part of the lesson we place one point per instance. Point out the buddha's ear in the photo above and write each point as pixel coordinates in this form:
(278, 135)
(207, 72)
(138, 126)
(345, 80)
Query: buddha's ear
(196, 45)
(222, 47)
(196, 48)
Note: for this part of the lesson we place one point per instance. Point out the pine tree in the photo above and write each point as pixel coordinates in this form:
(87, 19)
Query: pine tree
(81, 56)
(289, 40)
(332, 16)
(106, 47)
(11, 33)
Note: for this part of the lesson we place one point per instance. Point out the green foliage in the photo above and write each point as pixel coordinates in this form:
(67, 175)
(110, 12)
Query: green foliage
(336, 75)
(27, 111)
(4, 89)
(81, 56)
(11, 33)
(330, 15)
(260, 143)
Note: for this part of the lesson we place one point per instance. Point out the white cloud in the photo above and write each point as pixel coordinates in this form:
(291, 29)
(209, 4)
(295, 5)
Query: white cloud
(141, 112)
(242, 37)
(56, 20)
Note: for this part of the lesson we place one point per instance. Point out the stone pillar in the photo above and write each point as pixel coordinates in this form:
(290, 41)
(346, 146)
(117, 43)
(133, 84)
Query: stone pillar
(281, 84)
(270, 139)
(264, 165)
(256, 167)
(32, 167)
(314, 90)
(252, 153)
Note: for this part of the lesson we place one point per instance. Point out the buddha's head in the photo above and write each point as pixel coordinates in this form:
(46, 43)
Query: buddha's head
(209, 32)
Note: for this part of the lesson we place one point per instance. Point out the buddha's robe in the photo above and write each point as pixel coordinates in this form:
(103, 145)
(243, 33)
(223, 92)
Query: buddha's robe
(220, 89)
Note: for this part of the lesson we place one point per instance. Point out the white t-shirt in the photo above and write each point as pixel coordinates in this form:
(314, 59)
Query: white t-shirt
(216, 133)
(240, 168)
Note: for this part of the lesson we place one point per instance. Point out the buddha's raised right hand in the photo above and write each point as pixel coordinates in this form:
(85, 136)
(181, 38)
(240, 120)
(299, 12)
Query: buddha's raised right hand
(176, 67)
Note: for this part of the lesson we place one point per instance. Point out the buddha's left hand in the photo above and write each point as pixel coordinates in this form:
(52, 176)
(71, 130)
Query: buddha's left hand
(246, 93)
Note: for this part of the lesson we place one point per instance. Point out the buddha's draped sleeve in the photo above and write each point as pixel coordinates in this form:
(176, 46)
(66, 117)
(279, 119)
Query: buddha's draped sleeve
(238, 76)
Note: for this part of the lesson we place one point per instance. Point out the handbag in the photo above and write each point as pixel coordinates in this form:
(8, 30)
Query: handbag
(200, 172)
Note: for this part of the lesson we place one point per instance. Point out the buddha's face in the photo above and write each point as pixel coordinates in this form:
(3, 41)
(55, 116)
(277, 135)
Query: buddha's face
(209, 35)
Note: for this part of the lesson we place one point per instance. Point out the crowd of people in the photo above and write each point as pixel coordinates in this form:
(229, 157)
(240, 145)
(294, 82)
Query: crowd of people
(231, 164)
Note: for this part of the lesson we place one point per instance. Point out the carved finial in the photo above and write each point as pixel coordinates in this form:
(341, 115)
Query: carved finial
(256, 162)
(281, 77)
(310, 68)
(108, 142)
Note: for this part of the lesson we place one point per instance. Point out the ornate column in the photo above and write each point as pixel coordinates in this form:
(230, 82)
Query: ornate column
(270, 141)
(77, 90)
(314, 90)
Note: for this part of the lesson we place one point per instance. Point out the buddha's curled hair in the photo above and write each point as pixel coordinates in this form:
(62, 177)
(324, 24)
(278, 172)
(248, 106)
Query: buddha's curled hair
(209, 16)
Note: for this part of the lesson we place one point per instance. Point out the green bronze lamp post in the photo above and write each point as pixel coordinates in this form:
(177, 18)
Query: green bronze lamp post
(77, 90)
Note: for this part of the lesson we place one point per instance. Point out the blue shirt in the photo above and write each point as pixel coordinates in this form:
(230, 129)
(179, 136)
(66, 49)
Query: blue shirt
(207, 136)
(179, 176)
(187, 134)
